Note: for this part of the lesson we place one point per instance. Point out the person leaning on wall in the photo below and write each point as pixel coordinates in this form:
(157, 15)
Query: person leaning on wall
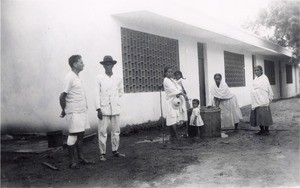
(109, 89)
(74, 106)
(261, 97)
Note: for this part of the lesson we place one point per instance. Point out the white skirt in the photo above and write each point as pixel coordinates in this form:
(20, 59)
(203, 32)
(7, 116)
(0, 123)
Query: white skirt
(230, 113)
(176, 115)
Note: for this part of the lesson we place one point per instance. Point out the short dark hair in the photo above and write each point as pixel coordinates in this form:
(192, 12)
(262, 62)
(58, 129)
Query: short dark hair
(178, 72)
(217, 74)
(73, 59)
(196, 100)
(259, 67)
(166, 70)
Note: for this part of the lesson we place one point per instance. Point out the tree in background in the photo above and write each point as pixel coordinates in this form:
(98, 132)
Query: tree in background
(279, 23)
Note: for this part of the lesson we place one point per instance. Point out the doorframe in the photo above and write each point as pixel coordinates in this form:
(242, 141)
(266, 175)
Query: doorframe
(201, 72)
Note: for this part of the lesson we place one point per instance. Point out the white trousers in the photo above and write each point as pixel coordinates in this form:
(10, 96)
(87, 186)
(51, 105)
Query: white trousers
(115, 132)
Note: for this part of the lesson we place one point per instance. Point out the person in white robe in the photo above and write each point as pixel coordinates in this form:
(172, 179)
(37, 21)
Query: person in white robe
(222, 97)
(175, 102)
(261, 97)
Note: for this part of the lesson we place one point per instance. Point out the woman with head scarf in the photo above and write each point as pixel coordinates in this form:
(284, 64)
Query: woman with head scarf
(227, 102)
(261, 97)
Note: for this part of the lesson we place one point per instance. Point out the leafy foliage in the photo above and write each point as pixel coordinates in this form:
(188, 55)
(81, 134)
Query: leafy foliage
(280, 23)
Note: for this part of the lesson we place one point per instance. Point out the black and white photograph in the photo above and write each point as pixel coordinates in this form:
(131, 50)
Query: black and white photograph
(150, 93)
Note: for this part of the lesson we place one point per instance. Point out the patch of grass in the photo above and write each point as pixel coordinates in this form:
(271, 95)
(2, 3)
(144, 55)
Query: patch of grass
(136, 128)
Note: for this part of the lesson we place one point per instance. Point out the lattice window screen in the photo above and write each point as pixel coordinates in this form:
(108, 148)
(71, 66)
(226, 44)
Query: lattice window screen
(234, 69)
(289, 74)
(270, 71)
(144, 58)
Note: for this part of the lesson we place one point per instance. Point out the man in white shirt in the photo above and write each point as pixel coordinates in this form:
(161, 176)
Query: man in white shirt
(74, 106)
(109, 89)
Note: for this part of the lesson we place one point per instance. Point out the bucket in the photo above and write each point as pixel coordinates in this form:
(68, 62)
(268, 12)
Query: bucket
(212, 122)
(55, 139)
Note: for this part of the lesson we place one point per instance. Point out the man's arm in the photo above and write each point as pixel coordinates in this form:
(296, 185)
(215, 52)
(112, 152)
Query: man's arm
(62, 102)
(99, 114)
(97, 98)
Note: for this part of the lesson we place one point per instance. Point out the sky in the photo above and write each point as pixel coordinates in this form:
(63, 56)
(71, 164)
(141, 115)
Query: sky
(233, 12)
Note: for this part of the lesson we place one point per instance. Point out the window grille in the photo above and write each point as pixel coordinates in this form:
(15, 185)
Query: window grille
(270, 71)
(144, 58)
(289, 74)
(234, 69)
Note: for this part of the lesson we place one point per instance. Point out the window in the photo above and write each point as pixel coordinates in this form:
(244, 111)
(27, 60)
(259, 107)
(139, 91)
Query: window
(270, 71)
(289, 74)
(234, 69)
(144, 58)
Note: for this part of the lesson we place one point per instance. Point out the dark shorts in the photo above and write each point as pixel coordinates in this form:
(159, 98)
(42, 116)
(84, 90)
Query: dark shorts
(261, 116)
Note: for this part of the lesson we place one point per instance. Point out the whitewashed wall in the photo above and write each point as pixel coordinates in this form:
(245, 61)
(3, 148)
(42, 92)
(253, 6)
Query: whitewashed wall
(147, 107)
(215, 64)
(37, 44)
(260, 61)
(38, 41)
(289, 89)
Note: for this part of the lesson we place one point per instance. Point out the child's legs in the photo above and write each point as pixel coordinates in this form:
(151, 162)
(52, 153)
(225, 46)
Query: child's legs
(173, 132)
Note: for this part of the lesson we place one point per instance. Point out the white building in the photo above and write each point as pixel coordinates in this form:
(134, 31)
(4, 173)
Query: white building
(38, 37)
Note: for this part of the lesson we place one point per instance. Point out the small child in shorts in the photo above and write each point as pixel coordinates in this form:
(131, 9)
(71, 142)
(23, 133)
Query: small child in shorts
(196, 119)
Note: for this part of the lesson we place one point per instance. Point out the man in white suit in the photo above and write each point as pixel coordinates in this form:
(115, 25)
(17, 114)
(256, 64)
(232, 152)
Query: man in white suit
(109, 89)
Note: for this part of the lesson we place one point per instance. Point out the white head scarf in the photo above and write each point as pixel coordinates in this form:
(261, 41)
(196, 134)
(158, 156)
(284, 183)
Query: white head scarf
(221, 92)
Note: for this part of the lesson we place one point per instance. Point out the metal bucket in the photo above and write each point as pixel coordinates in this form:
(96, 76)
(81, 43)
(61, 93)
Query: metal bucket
(55, 139)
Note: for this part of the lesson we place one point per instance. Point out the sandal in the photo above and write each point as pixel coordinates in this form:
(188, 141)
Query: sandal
(117, 154)
(102, 157)
(73, 166)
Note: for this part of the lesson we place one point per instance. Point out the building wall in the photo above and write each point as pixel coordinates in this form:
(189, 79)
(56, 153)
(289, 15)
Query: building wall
(37, 43)
(289, 89)
(215, 64)
(149, 102)
(260, 61)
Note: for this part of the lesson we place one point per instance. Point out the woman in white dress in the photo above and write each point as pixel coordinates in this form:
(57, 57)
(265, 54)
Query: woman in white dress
(175, 102)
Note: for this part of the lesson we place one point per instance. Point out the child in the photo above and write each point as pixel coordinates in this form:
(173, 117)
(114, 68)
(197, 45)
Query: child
(196, 119)
(180, 81)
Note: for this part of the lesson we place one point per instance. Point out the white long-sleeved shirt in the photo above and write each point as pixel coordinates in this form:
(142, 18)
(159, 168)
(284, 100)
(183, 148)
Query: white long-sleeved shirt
(108, 93)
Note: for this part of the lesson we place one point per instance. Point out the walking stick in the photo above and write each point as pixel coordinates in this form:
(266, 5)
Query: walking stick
(161, 115)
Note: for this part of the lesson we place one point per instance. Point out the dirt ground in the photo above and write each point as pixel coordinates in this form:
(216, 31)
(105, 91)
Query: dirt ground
(240, 160)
